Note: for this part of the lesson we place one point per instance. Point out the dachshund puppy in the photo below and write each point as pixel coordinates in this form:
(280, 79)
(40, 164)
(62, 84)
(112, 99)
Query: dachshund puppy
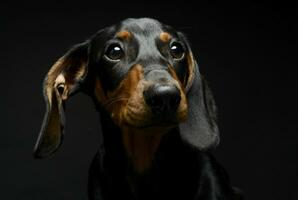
(158, 116)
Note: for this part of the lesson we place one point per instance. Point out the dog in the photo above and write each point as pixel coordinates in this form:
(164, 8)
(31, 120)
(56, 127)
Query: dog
(158, 115)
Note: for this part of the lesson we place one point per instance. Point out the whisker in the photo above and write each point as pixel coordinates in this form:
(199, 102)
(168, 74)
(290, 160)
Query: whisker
(114, 100)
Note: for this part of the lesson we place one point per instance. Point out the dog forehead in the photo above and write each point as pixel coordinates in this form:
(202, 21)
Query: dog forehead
(144, 29)
(141, 26)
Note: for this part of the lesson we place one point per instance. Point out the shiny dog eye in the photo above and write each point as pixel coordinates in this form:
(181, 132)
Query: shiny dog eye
(114, 52)
(177, 51)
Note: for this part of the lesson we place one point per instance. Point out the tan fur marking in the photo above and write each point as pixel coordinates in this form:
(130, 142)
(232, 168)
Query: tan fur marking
(191, 71)
(165, 37)
(124, 35)
(174, 75)
(123, 93)
(137, 112)
(182, 108)
(141, 145)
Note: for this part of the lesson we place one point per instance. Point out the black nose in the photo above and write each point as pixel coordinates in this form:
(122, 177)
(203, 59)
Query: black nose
(162, 99)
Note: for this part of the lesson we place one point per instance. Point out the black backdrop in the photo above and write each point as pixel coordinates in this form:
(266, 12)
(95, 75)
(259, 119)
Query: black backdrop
(245, 50)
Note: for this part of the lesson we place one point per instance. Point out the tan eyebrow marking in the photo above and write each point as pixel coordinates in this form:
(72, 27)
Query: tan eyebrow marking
(165, 37)
(125, 35)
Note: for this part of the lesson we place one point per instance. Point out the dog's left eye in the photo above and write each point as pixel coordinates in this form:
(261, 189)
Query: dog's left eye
(177, 51)
(114, 52)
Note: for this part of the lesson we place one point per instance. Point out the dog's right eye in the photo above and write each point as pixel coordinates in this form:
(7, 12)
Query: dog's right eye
(114, 52)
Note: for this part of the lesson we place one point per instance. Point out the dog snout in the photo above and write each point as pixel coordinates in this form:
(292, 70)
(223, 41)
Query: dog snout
(162, 99)
(158, 76)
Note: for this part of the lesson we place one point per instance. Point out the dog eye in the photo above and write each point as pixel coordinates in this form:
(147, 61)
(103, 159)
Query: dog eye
(177, 51)
(114, 52)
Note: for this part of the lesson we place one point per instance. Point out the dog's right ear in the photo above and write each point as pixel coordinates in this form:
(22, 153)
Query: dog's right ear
(63, 79)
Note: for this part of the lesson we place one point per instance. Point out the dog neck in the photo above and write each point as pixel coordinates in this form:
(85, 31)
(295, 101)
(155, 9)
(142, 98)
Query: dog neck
(141, 145)
(137, 145)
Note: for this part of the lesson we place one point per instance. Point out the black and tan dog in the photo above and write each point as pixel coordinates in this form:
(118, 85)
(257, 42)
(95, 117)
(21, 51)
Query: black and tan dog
(158, 116)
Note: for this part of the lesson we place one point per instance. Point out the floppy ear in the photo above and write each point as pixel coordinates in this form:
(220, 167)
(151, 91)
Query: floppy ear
(200, 129)
(62, 80)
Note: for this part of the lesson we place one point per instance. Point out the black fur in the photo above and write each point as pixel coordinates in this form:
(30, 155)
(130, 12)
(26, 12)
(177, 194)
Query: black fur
(183, 168)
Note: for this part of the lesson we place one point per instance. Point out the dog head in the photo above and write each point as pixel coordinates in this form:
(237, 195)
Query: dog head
(143, 74)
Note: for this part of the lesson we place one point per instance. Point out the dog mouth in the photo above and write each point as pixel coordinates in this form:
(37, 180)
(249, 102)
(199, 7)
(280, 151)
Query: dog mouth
(141, 116)
(143, 120)
(154, 105)
(153, 127)
(152, 124)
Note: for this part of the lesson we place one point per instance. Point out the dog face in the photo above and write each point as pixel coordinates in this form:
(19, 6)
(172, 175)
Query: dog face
(142, 69)
(143, 74)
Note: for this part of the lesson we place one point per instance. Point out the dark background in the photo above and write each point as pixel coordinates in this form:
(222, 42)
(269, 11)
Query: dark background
(245, 50)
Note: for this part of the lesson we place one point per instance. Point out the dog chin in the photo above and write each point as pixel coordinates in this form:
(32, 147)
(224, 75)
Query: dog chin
(151, 129)
(146, 121)
(151, 125)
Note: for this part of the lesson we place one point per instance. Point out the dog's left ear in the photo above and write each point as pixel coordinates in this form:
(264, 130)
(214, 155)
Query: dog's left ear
(200, 129)
(63, 79)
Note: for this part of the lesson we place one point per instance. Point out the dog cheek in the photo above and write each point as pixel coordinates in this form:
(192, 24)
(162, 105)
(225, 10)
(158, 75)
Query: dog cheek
(137, 112)
(130, 89)
(117, 110)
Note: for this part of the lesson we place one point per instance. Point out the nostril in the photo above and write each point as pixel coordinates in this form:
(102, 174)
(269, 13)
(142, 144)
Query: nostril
(174, 101)
(162, 99)
(154, 101)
